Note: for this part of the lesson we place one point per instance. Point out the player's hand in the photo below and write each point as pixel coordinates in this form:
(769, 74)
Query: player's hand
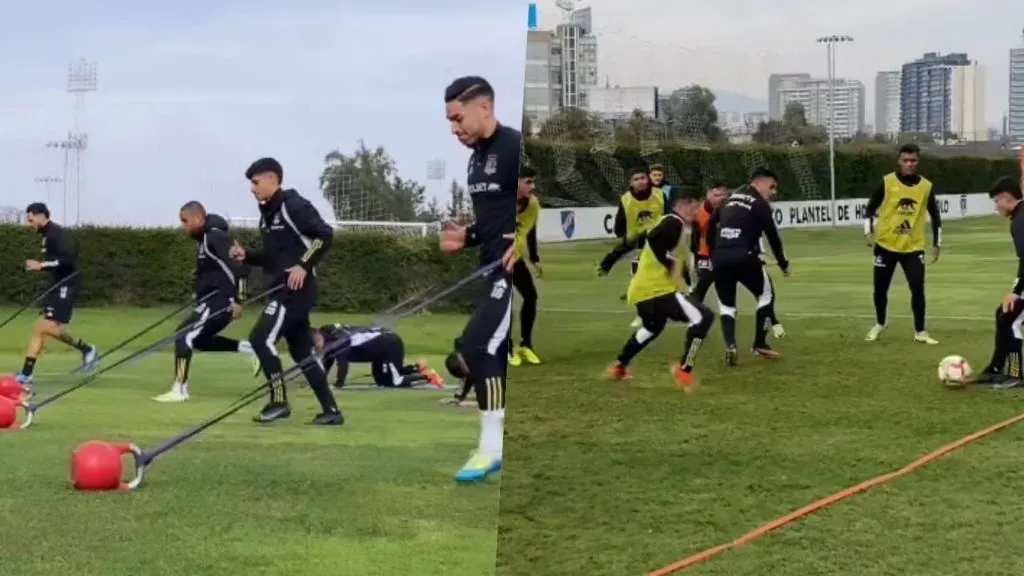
(785, 268)
(1009, 301)
(33, 265)
(935, 254)
(453, 238)
(296, 277)
(537, 270)
(508, 260)
(869, 239)
(237, 252)
(236, 310)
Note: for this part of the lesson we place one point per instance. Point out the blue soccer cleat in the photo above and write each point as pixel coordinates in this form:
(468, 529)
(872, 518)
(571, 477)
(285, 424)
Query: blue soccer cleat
(89, 359)
(26, 385)
(478, 468)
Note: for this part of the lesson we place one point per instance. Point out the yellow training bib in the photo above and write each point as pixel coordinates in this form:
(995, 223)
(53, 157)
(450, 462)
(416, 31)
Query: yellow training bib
(526, 220)
(643, 215)
(652, 279)
(900, 226)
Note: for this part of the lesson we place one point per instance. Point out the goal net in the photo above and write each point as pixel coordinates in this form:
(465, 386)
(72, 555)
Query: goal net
(401, 229)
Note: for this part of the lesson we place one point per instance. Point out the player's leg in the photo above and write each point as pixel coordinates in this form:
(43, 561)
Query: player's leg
(914, 269)
(52, 324)
(268, 329)
(777, 329)
(522, 281)
(634, 265)
(297, 334)
(754, 278)
(699, 319)
(705, 280)
(343, 359)
(653, 319)
(725, 288)
(1004, 368)
(884, 264)
(200, 321)
(481, 349)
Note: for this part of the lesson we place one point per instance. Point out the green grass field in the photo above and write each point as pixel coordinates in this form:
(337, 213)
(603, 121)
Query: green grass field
(614, 479)
(374, 497)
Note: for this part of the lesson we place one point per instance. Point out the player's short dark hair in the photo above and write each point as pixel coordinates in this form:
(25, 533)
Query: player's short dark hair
(263, 166)
(37, 209)
(716, 183)
(1006, 185)
(658, 167)
(526, 172)
(764, 173)
(910, 148)
(194, 206)
(468, 88)
(637, 170)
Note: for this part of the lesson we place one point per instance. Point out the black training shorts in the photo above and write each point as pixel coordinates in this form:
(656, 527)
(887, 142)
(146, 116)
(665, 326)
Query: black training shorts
(59, 304)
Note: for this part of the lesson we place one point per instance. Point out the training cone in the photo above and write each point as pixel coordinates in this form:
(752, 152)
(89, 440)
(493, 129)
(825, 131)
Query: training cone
(97, 466)
(8, 412)
(10, 387)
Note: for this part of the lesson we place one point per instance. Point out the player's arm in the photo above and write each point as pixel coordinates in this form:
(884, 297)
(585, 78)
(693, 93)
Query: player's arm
(619, 227)
(874, 203)
(662, 241)
(771, 233)
(255, 257)
(935, 215)
(307, 219)
(60, 250)
(531, 245)
(1017, 231)
(711, 234)
(219, 244)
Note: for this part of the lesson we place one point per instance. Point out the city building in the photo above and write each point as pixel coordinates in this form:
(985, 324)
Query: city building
(1015, 117)
(542, 85)
(887, 103)
(943, 95)
(578, 54)
(561, 65)
(616, 103)
(754, 119)
(814, 95)
(777, 82)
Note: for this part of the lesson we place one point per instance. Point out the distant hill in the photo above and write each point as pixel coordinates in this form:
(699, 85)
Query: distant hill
(733, 102)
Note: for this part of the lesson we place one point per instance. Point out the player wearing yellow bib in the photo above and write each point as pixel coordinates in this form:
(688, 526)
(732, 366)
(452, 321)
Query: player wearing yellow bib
(656, 291)
(899, 238)
(527, 213)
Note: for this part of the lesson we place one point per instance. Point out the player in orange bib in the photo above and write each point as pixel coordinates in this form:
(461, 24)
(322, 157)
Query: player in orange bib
(700, 254)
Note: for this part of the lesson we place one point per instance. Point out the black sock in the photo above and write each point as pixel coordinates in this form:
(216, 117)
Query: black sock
(917, 308)
(410, 369)
(278, 390)
(181, 368)
(762, 321)
(317, 380)
(636, 343)
(729, 330)
(690, 352)
(881, 305)
(1000, 347)
(76, 343)
(1013, 360)
(28, 366)
(218, 344)
(527, 318)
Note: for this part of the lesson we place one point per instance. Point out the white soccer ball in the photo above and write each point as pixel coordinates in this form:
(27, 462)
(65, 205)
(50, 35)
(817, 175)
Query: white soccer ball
(954, 371)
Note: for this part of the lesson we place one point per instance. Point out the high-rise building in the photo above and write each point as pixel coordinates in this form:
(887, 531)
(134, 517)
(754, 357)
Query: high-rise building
(578, 54)
(560, 66)
(1015, 117)
(943, 94)
(542, 85)
(777, 82)
(814, 95)
(887, 103)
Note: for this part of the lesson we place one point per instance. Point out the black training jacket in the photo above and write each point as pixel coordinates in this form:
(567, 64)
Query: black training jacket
(59, 252)
(492, 182)
(215, 271)
(293, 234)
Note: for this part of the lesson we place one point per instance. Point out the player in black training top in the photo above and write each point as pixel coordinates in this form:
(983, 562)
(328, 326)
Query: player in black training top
(216, 288)
(492, 182)
(1004, 369)
(295, 239)
(59, 254)
(381, 348)
(736, 229)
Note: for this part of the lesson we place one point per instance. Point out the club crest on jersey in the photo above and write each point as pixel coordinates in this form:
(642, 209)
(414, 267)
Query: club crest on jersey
(568, 218)
(491, 165)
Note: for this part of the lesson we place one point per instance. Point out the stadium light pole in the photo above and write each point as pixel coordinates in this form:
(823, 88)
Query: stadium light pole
(830, 43)
(76, 142)
(47, 181)
(83, 77)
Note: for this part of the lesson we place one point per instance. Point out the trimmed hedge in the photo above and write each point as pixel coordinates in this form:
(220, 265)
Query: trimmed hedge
(364, 272)
(578, 174)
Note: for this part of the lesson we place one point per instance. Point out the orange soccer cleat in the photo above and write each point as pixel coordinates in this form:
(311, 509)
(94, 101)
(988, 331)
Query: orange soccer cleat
(430, 374)
(682, 377)
(618, 372)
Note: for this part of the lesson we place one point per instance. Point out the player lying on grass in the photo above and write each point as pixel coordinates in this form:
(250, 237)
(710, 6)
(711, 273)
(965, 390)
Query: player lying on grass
(217, 280)
(640, 209)
(527, 212)
(59, 255)
(655, 291)
(1004, 369)
(381, 348)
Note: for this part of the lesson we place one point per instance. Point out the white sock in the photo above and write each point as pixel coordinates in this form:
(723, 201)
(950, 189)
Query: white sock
(492, 432)
(181, 388)
(245, 347)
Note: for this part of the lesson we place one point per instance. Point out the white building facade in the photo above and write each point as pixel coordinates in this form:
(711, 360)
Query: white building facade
(815, 95)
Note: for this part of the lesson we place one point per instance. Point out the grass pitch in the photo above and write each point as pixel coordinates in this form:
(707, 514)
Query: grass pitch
(608, 479)
(374, 497)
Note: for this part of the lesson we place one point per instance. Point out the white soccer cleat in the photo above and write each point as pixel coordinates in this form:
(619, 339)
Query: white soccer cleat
(924, 338)
(177, 393)
(875, 332)
(779, 331)
(637, 322)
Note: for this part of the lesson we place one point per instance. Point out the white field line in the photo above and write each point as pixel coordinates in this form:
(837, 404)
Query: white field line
(784, 315)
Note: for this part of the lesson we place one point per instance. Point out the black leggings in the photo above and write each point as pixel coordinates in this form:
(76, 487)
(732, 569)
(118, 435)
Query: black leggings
(522, 281)
(912, 263)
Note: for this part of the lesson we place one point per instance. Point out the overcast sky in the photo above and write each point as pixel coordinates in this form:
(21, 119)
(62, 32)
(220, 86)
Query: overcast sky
(735, 44)
(190, 93)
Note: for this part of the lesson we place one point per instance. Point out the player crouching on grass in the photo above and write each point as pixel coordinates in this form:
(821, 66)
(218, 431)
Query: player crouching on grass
(381, 348)
(656, 292)
(58, 259)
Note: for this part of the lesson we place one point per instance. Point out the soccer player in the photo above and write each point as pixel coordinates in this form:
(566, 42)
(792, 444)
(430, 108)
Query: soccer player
(1004, 369)
(640, 209)
(59, 255)
(492, 183)
(700, 254)
(217, 279)
(381, 348)
(900, 202)
(657, 175)
(654, 290)
(295, 239)
(740, 222)
(527, 213)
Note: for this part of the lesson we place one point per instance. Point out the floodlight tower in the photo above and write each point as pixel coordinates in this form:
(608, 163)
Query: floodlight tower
(47, 181)
(830, 43)
(83, 77)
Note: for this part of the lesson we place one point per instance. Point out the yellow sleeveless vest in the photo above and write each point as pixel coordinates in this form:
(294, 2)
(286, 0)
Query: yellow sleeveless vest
(652, 279)
(643, 215)
(526, 220)
(901, 218)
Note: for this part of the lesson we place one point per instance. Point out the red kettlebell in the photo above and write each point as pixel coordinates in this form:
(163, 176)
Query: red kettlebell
(8, 412)
(10, 387)
(98, 465)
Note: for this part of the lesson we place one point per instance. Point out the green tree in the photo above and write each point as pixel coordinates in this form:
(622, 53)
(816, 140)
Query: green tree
(572, 124)
(366, 186)
(457, 206)
(527, 128)
(638, 130)
(690, 114)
